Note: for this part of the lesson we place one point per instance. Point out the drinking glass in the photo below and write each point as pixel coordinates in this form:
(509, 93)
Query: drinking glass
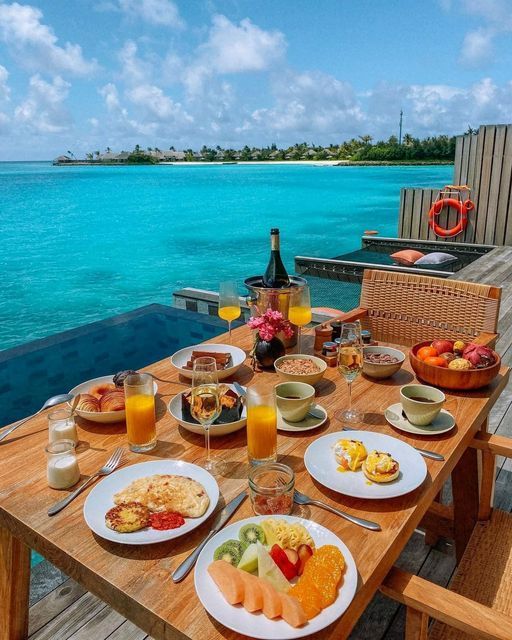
(61, 426)
(140, 412)
(299, 312)
(261, 426)
(229, 303)
(350, 365)
(205, 404)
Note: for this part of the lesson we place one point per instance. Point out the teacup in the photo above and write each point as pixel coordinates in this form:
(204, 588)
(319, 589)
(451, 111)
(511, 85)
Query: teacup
(421, 404)
(294, 399)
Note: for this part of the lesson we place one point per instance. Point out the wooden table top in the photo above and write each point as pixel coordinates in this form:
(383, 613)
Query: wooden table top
(136, 580)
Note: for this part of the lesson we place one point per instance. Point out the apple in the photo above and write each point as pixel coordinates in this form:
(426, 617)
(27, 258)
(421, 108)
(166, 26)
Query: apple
(443, 346)
(305, 552)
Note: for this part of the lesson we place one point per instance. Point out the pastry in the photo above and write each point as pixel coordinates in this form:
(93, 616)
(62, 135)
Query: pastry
(127, 517)
(350, 454)
(380, 467)
(112, 401)
(88, 403)
(101, 389)
(231, 406)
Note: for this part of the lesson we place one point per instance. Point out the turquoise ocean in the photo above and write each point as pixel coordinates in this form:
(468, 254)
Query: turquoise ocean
(83, 243)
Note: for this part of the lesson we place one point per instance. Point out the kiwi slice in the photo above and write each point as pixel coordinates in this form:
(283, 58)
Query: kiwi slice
(231, 551)
(251, 533)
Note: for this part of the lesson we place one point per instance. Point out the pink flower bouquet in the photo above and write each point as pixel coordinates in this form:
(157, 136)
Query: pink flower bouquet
(270, 324)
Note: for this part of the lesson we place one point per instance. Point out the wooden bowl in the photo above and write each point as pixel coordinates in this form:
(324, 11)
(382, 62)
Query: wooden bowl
(450, 378)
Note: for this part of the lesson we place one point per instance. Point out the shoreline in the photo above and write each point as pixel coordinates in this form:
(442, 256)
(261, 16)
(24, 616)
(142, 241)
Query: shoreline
(317, 163)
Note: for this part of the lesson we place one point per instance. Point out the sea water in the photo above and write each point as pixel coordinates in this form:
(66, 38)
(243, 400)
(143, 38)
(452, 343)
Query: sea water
(83, 243)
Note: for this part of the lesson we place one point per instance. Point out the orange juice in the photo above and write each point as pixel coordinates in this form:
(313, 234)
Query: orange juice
(140, 419)
(299, 316)
(261, 433)
(229, 313)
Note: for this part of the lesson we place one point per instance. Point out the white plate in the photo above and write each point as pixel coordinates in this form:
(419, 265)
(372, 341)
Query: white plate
(304, 425)
(100, 500)
(321, 464)
(174, 408)
(105, 417)
(443, 423)
(255, 625)
(181, 357)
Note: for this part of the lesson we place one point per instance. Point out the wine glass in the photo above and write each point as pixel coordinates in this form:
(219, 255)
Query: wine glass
(350, 365)
(299, 312)
(205, 404)
(229, 303)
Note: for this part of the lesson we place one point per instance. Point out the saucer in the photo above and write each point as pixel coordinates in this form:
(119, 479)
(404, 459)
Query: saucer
(443, 422)
(304, 425)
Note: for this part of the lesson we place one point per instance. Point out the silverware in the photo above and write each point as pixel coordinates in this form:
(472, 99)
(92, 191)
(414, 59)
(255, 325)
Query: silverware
(75, 404)
(221, 520)
(51, 402)
(111, 464)
(300, 498)
(426, 453)
(314, 414)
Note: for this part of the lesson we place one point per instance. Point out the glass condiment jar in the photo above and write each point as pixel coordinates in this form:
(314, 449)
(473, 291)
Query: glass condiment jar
(271, 488)
(61, 426)
(62, 469)
(330, 353)
(336, 329)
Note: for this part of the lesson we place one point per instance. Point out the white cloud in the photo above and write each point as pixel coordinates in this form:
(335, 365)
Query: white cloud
(157, 104)
(111, 96)
(133, 69)
(43, 112)
(4, 88)
(34, 44)
(477, 48)
(158, 12)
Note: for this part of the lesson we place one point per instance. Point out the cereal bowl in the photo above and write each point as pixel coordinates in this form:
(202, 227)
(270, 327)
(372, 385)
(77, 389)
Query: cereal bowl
(300, 367)
(382, 369)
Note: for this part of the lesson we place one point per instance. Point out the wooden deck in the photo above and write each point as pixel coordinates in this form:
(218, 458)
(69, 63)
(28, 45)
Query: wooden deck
(68, 612)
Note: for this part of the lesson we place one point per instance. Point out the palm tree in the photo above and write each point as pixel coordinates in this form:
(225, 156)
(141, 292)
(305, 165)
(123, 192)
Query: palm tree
(408, 139)
(97, 154)
(366, 139)
(108, 149)
(470, 131)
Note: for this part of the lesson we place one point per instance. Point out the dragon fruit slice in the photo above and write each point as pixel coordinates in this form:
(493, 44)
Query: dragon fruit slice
(479, 356)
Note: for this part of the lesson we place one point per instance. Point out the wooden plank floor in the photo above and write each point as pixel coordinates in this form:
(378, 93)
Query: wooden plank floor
(69, 612)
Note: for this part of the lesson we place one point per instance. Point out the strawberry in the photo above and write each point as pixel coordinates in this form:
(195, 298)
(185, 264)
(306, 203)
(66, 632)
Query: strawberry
(281, 559)
(304, 552)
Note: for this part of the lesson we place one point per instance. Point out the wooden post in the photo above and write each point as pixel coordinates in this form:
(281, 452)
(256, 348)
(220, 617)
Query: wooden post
(14, 587)
(465, 488)
(416, 625)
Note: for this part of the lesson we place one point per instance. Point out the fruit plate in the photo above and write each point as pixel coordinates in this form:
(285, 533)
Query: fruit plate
(451, 378)
(181, 357)
(104, 417)
(256, 625)
(322, 466)
(100, 500)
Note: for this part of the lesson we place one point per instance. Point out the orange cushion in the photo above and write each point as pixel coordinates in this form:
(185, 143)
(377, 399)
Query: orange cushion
(407, 257)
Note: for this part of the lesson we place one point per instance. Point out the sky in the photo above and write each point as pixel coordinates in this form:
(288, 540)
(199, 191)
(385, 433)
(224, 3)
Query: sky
(83, 75)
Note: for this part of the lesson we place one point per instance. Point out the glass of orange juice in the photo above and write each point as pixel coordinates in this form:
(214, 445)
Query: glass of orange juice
(229, 303)
(140, 412)
(261, 426)
(299, 312)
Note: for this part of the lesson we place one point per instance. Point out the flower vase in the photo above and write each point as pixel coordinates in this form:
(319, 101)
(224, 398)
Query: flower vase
(267, 352)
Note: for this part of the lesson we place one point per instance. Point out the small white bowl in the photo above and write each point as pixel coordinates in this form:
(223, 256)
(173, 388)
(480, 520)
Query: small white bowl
(181, 357)
(308, 378)
(174, 409)
(382, 370)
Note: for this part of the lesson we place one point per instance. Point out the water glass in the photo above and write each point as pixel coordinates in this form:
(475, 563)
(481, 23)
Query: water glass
(140, 412)
(299, 312)
(350, 365)
(261, 426)
(61, 426)
(229, 303)
(205, 405)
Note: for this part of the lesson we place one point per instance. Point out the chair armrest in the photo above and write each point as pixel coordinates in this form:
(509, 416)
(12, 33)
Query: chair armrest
(497, 445)
(349, 316)
(487, 339)
(447, 606)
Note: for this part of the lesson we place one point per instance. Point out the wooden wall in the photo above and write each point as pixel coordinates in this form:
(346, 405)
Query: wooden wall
(484, 162)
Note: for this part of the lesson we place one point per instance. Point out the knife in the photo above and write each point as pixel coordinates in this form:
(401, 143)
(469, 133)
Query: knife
(226, 513)
(426, 453)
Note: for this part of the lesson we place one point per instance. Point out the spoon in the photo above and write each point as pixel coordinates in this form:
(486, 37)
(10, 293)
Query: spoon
(51, 402)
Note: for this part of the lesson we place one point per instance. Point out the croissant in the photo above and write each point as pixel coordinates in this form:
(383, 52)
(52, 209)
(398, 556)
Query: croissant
(88, 403)
(112, 401)
(101, 389)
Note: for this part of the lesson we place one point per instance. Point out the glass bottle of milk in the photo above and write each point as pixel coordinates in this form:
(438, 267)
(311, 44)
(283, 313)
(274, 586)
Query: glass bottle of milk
(62, 466)
(61, 426)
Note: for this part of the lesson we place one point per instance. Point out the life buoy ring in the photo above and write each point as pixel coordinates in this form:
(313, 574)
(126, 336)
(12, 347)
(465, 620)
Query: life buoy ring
(461, 207)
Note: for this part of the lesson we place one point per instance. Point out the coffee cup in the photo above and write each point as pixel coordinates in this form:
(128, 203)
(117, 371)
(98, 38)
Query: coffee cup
(421, 403)
(294, 399)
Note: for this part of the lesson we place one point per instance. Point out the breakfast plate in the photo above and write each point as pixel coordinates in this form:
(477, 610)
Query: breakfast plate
(443, 423)
(104, 417)
(174, 408)
(181, 357)
(256, 625)
(307, 424)
(321, 464)
(100, 500)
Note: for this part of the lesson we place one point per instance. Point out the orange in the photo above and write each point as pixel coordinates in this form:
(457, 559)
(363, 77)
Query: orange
(436, 361)
(426, 352)
(325, 579)
(309, 597)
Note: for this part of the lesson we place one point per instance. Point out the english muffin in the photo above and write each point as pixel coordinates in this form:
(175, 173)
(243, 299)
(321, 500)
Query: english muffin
(350, 454)
(380, 467)
(127, 517)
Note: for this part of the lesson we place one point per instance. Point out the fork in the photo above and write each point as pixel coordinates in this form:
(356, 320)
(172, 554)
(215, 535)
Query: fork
(111, 464)
(300, 498)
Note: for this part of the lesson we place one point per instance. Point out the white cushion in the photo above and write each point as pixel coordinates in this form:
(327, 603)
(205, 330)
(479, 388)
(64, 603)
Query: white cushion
(438, 257)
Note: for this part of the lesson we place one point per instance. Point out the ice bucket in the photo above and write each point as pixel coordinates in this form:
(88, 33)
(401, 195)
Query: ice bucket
(261, 298)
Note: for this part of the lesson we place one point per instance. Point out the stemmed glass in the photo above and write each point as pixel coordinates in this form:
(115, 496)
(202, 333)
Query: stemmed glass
(350, 365)
(229, 303)
(205, 404)
(299, 312)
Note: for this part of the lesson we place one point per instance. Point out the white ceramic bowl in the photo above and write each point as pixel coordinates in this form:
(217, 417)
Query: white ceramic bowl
(181, 357)
(308, 378)
(174, 408)
(104, 417)
(381, 371)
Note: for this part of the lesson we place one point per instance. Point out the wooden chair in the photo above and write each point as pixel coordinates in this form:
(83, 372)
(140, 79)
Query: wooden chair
(478, 603)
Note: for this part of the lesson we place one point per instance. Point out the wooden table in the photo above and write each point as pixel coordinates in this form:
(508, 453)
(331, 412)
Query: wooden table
(136, 580)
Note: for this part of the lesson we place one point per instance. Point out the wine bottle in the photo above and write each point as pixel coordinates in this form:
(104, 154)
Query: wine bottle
(275, 275)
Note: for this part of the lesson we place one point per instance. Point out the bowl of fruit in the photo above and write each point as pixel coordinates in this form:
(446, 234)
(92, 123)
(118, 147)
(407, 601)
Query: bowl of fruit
(454, 364)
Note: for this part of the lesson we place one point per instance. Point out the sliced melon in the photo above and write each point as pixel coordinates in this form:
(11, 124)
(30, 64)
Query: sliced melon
(249, 560)
(269, 570)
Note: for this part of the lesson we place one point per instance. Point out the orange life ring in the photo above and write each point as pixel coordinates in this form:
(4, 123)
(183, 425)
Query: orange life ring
(461, 207)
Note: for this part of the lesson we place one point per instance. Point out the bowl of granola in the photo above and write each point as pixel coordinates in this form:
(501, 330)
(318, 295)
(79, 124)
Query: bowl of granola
(381, 362)
(300, 367)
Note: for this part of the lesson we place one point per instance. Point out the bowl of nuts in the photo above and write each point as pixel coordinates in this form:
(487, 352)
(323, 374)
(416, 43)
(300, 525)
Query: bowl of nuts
(299, 367)
(382, 362)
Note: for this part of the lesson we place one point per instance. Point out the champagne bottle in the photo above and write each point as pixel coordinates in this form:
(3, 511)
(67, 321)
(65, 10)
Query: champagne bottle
(275, 275)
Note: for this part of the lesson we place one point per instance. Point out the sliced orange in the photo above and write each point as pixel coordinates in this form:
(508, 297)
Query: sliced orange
(309, 597)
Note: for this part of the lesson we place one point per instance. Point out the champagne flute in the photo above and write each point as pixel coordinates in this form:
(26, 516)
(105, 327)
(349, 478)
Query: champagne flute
(205, 404)
(350, 365)
(299, 312)
(229, 303)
